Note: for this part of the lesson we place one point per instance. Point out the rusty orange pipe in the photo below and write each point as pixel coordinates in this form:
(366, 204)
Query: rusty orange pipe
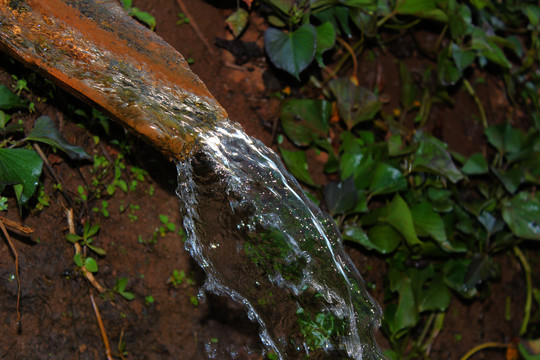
(96, 51)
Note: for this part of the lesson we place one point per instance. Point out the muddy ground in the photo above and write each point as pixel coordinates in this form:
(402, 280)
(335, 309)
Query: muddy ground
(57, 318)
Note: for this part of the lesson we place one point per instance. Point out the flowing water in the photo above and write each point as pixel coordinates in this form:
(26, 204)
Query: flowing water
(262, 242)
(249, 224)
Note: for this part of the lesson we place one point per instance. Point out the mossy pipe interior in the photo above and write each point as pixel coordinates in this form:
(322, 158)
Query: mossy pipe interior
(96, 51)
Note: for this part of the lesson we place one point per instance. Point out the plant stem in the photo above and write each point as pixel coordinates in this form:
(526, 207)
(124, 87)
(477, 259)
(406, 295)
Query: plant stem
(471, 92)
(482, 347)
(528, 300)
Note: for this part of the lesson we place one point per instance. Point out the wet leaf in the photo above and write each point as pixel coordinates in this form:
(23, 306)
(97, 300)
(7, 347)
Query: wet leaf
(406, 314)
(291, 51)
(237, 21)
(383, 238)
(355, 104)
(297, 164)
(9, 100)
(454, 276)
(481, 269)
(358, 165)
(433, 156)
(305, 120)
(475, 165)
(387, 179)
(326, 38)
(522, 215)
(45, 131)
(340, 197)
(399, 216)
(20, 167)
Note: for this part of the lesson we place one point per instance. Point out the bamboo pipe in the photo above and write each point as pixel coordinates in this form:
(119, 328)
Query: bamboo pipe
(96, 51)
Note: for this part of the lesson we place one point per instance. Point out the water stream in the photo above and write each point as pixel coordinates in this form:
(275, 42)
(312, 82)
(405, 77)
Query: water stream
(259, 239)
(262, 242)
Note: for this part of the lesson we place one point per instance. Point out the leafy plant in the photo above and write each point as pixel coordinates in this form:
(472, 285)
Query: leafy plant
(120, 288)
(142, 16)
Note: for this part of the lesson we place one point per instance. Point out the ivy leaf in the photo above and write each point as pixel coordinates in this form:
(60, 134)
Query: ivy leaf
(340, 196)
(505, 138)
(291, 51)
(383, 238)
(481, 269)
(45, 131)
(297, 164)
(406, 314)
(462, 58)
(20, 167)
(436, 297)
(454, 276)
(237, 21)
(326, 38)
(305, 120)
(400, 217)
(432, 156)
(428, 222)
(511, 178)
(9, 100)
(421, 8)
(387, 179)
(488, 48)
(355, 104)
(522, 215)
(475, 165)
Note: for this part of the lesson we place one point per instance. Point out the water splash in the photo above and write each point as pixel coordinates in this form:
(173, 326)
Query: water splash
(263, 243)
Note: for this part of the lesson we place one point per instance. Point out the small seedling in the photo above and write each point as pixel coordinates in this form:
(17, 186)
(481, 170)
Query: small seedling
(120, 288)
(182, 19)
(86, 238)
(104, 211)
(176, 278)
(149, 300)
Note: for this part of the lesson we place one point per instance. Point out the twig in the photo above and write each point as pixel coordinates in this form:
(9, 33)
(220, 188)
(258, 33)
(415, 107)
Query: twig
(108, 351)
(482, 347)
(477, 101)
(528, 300)
(86, 273)
(16, 255)
(196, 28)
(16, 226)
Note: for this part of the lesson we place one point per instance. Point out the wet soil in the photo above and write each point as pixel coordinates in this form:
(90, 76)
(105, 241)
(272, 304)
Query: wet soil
(57, 318)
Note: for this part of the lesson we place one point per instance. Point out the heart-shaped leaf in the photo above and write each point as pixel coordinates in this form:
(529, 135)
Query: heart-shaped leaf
(291, 51)
(522, 215)
(305, 120)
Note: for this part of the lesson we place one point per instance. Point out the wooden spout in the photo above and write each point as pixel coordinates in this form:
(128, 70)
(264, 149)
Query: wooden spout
(96, 51)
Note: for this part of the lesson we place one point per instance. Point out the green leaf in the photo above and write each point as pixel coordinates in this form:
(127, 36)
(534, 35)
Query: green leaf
(433, 156)
(326, 38)
(283, 5)
(338, 16)
(454, 276)
(297, 164)
(20, 167)
(421, 8)
(475, 165)
(78, 260)
(406, 315)
(90, 264)
(447, 72)
(145, 17)
(97, 250)
(73, 238)
(436, 297)
(305, 120)
(511, 178)
(505, 138)
(291, 51)
(387, 179)
(9, 100)
(399, 216)
(522, 215)
(340, 197)
(382, 238)
(428, 222)
(45, 131)
(355, 104)
(462, 58)
(237, 21)
(481, 269)
(488, 48)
